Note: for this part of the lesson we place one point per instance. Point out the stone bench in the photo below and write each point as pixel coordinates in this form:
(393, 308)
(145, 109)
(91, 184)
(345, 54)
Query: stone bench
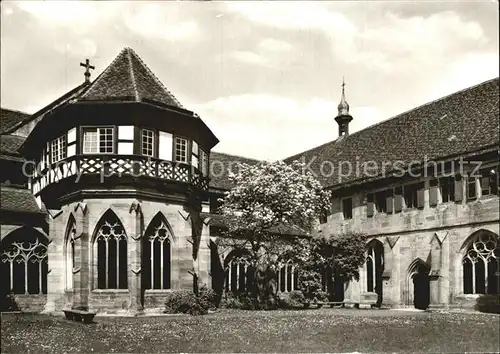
(332, 304)
(79, 315)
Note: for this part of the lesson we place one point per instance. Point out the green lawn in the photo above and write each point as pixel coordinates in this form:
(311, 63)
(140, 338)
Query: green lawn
(323, 330)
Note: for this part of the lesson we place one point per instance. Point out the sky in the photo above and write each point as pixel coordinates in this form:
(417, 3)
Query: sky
(264, 76)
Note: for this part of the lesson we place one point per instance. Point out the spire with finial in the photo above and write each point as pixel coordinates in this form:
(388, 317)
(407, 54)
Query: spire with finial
(343, 118)
(343, 105)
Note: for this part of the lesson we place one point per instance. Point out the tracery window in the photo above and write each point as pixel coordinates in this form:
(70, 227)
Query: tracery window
(24, 263)
(239, 275)
(288, 277)
(157, 255)
(481, 265)
(111, 246)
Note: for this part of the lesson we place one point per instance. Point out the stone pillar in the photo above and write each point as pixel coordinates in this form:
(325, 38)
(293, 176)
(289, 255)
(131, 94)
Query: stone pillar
(392, 270)
(203, 260)
(184, 254)
(81, 286)
(387, 283)
(434, 274)
(55, 276)
(444, 280)
(352, 294)
(135, 233)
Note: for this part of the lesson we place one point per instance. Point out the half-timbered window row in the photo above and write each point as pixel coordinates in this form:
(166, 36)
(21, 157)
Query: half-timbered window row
(109, 140)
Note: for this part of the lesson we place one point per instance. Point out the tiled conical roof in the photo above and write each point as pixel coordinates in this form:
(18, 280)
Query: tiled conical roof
(128, 78)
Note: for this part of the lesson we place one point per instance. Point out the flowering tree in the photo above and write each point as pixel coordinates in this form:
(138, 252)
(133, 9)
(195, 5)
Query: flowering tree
(337, 256)
(271, 206)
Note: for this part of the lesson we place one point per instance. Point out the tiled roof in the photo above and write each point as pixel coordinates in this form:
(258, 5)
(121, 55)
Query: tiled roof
(10, 118)
(220, 166)
(18, 200)
(127, 78)
(458, 124)
(10, 143)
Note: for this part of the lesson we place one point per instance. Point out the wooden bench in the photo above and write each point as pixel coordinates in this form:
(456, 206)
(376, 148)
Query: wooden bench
(79, 315)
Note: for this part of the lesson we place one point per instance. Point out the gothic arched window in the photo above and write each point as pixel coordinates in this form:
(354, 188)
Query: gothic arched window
(288, 279)
(239, 275)
(481, 265)
(110, 243)
(24, 262)
(157, 255)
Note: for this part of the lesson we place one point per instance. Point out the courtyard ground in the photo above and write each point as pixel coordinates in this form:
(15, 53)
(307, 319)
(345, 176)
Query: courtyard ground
(322, 330)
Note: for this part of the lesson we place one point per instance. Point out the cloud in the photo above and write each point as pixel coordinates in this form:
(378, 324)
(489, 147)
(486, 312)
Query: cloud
(392, 43)
(272, 44)
(147, 19)
(159, 21)
(399, 42)
(79, 47)
(80, 16)
(245, 57)
(292, 15)
(467, 71)
(280, 126)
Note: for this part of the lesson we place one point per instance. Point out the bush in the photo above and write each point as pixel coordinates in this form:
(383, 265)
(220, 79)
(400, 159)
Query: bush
(209, 297)
(291, 300)
(321, 296)
(488, 303)
(241, 301)
(186, 302)
(8, 301)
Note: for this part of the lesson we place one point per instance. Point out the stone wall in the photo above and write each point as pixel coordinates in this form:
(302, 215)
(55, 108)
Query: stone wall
(435, 235)
(30, 302)
(135, 217)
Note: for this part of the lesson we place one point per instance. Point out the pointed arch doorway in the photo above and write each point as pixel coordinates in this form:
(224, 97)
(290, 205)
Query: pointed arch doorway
(418, 285)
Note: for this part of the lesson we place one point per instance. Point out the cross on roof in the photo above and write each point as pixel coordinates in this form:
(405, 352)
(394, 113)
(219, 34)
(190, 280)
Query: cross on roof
(343, 83)
(87, 67)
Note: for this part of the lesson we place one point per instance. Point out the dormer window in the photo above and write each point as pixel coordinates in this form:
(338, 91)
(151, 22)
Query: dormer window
(98, 140)
(58, 149)
(181, 150)
(148, 142)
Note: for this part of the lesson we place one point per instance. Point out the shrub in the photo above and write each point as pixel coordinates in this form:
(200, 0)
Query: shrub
(241, 301)
(186, 302)
(488, 303)
(291, 300)
(209, 297)
(8, 301)
(321, 296)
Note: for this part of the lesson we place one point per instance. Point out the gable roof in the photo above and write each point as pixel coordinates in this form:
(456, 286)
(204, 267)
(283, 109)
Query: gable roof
(128, 78)
(459, 124)
(10, 118)
(18, 200)
(220, 166)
